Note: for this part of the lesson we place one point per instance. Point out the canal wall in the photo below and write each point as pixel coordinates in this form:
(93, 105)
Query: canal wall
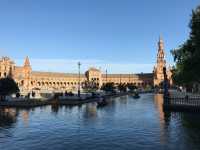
(55, 101)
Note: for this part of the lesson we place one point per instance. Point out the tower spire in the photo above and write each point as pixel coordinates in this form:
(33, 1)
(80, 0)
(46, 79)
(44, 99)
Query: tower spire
(161, 63)
(160, 39)
(27, 62)
(161, 52)
(160, 44)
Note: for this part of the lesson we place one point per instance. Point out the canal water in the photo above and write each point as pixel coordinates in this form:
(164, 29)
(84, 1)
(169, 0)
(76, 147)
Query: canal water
(124, 124)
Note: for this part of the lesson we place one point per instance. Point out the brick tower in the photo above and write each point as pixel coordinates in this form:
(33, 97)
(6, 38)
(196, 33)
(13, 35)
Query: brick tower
(27, 73)
(158, 69)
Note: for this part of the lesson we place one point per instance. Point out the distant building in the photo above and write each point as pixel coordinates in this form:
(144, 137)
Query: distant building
(28, 80)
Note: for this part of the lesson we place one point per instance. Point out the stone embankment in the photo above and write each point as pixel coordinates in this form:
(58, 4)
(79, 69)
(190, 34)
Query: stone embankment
(80, 101)
(55, 101)
(24, 103)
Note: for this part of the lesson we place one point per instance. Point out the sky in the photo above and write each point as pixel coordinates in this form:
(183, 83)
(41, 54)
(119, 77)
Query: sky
(119, 36)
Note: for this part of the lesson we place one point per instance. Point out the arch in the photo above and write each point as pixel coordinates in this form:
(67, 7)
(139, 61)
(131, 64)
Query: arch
(22, 82)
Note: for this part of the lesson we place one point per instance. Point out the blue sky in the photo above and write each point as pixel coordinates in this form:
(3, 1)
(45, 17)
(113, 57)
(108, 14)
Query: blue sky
(117, 35)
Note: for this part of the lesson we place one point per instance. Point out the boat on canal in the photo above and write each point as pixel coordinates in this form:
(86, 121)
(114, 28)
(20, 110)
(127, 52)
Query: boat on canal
(136, 95)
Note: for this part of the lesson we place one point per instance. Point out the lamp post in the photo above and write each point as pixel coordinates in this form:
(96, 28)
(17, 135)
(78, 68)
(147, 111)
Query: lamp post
(79, 84)
(120, 78)
(106, 75)
(165, 86)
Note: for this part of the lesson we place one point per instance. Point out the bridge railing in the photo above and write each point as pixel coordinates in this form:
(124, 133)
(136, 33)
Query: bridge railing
(193, 101)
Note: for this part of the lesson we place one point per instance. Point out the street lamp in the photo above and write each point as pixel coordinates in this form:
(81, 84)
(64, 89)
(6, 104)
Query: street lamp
(106, 75)
(79, 84)
(120, 78)
(165, 85)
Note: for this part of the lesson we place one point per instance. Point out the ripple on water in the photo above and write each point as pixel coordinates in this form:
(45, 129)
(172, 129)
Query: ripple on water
(126, 123)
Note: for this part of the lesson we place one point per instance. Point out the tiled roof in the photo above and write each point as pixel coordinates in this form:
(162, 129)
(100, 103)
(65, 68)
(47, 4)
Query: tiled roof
(56, 74)
(149, 75)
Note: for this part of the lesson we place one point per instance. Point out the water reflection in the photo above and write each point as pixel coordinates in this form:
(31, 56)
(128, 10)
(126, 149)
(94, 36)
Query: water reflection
(180, 126)
(8, 117)
(55, 109)
(125, 123)
(25, 117)
(123, 99)
(164, 118)
(90, 111)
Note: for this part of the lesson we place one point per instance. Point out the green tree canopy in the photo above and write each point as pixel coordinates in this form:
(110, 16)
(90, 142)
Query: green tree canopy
(122, 87)
(131, 86)
(90, 86)
(8, 86)
(108, 87)
(187, 56)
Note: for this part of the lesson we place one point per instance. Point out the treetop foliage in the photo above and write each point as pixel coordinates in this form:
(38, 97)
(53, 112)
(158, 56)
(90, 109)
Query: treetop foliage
(8, 86)
(187, 56)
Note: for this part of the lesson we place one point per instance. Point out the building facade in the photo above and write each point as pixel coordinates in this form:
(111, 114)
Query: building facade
(29, 80)
(158, 75)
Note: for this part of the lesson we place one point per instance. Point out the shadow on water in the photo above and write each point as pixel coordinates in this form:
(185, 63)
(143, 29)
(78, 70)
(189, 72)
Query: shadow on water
(180, 126)
(8, 117)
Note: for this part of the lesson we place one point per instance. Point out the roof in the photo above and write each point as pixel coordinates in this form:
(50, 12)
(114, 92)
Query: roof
(56, 74)
(27, 62)
(142, 75)
(18, 68)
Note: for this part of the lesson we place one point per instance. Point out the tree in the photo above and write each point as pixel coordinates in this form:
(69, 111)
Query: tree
(122, 87)
(131, 86)
(108, 87)
(90, 86)
(7, 87)
(187, 56)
